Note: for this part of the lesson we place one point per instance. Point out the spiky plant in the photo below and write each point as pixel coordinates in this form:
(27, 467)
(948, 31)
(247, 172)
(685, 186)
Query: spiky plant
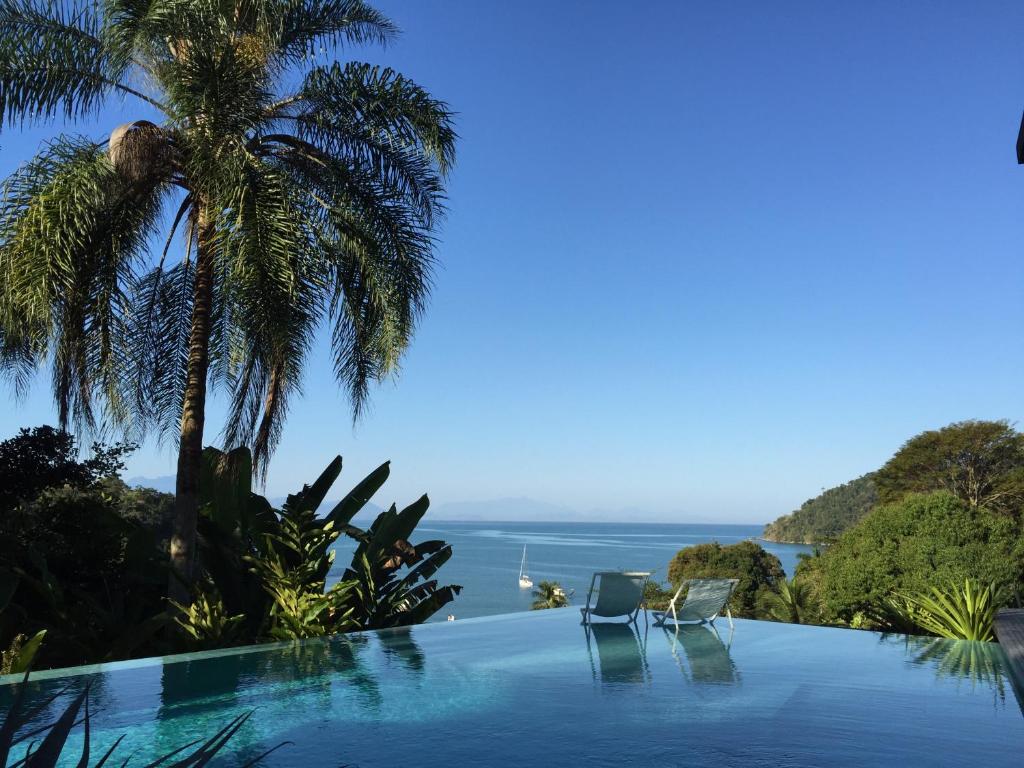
(49, 746)
(279, 196)
(965, 612)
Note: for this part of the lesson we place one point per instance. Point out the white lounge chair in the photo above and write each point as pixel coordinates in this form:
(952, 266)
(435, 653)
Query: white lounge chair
(618, 594)
(705, 601)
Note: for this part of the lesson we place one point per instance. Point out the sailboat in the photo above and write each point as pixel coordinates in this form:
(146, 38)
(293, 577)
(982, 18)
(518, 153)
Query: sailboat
(524, 577)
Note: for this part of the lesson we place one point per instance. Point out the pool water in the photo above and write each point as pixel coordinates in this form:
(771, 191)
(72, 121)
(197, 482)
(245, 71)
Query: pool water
(539, 689)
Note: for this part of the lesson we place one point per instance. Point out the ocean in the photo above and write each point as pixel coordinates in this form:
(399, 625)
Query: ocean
(486, 556)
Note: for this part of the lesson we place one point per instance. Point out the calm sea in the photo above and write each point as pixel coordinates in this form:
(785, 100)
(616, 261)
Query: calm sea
(486, 556)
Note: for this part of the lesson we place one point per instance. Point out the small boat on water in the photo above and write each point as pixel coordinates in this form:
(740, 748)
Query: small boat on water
(525, 582)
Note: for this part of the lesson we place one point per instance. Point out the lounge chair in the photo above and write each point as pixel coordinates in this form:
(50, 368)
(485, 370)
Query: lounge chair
(705, 601)
(618, 594)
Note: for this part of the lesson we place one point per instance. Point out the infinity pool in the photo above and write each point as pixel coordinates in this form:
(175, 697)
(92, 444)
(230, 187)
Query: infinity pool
(538, 689)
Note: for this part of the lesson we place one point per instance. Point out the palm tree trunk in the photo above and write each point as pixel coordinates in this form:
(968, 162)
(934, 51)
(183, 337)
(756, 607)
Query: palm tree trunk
(193, 413)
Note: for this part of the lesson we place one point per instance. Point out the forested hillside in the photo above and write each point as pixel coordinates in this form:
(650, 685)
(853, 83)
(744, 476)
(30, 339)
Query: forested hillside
(824, 517)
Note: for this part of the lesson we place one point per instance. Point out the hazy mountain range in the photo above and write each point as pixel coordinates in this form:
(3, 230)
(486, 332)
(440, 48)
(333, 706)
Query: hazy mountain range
(519, 508)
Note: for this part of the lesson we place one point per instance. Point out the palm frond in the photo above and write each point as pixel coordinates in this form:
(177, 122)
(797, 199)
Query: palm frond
(381, 121)
(53, 62)
(72, 232)
(323, 204)
(308, 24)
(274, 305)
(155, 352)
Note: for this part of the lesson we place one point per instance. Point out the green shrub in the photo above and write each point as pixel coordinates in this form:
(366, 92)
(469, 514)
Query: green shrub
(758, 570)
(913, 545)
(657, 596)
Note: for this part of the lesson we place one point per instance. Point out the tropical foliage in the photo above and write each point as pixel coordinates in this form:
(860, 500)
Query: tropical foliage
(80, 558)
(979, 462)
(757, 570)
(912, 545)
(266, 570)
(792, 601)
(21, 653)
(283, 196)
(549, 594)
(657, 595)
(84, 564)
(45, 457)
(959, 612)
(825, 517)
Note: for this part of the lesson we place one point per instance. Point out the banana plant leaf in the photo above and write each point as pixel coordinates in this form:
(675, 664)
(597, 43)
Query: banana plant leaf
(312, 496)
(426, 607)
(358, 497)
(424, 570)
(27, 654)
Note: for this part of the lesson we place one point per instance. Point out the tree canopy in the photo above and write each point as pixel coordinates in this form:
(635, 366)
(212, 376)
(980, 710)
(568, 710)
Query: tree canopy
(44, 457)
(757, 570)
(979, 462)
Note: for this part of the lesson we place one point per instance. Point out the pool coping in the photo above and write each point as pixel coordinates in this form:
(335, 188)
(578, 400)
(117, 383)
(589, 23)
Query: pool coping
(1016, 665)
(240, 650)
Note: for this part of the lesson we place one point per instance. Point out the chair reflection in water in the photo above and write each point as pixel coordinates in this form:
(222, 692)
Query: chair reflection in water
(621, 652)
(707, 658)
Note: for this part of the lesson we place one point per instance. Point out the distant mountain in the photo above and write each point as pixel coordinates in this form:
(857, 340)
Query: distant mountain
(164, 483)
(528, 510)
(369, 511)
(519, 508)
(826, 516)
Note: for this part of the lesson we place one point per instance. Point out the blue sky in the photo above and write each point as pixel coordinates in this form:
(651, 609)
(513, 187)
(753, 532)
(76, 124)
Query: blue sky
(702, 260)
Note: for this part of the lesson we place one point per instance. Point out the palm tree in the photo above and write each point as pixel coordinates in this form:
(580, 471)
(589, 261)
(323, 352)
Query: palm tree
(548, 594)
(280, 197)
(791, 602)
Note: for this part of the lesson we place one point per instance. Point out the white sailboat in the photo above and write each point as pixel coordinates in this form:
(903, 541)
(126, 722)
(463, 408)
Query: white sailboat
(524, 577)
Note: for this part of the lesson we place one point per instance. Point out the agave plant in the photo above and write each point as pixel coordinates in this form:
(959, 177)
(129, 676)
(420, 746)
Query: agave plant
(49, 745)
(960, 613)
